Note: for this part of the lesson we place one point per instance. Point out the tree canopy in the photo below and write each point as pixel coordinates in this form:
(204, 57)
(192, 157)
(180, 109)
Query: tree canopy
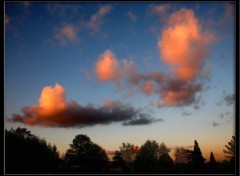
(27, 153)
(86, 154)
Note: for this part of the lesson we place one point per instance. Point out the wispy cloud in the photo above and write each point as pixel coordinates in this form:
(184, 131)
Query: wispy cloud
(185, 113)
(96, 20)
(53, 110)
(132, 16)
(227, 99)
(66, 34)
(215, 124)
(157, 9)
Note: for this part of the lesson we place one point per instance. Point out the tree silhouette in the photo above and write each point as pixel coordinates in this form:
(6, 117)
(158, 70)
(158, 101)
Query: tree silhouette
(87, 155)
(180, 154)
(38, 156)
(230, 149)
(129, 153)
(165, 162)
(195, 157)
(212, 163)
(147, 158)
(118, 159)
(163, 149)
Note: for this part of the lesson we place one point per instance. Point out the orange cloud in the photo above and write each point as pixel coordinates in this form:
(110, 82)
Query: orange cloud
(183, 47)
(107, 67)
(53, 110)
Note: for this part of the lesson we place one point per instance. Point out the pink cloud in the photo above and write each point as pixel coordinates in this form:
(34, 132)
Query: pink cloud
(158, 9)
(96, 20)
(183, 48)
(132, 16)
(66, 34)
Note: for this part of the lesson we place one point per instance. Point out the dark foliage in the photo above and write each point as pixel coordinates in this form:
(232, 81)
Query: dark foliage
(86, 155)
(26, 153)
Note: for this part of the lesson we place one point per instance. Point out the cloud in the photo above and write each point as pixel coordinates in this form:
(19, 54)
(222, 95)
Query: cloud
(53, 110)
(215, 124)
(229, 10)
(229, 99)
(140, 121)
(157, 9)
(96, 20)
(183, 48)
(107, 67)
(66, 34)
(132, 16)
(185, 113)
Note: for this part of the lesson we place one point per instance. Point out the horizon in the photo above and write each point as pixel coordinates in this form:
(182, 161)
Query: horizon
(122, 72)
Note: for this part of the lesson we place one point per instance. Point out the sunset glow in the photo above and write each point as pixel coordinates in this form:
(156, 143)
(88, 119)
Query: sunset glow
(122, 72)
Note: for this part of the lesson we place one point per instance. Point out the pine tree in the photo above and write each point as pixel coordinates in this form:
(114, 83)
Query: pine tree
(212, 163)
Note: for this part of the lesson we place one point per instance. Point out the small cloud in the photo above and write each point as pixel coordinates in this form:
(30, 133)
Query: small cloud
(229, 99)
(96, 20)
(132, 16)
(66, 34)
(141, 121)
(229, 10)
(157, 9)
(185, 113)
(215, 124)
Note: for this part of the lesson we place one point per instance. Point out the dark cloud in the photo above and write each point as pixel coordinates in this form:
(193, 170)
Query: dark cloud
(215, 124)
(185, 113)
(229, 99)
(141, 121)
(54, 111)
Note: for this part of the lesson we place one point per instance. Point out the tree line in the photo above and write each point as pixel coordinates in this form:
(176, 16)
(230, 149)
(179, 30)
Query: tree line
(26, 153)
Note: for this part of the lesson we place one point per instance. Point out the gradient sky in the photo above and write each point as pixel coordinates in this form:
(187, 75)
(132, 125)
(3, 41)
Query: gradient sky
(122, 72)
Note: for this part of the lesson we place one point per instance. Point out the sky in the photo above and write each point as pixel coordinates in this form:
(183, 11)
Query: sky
(122, 72)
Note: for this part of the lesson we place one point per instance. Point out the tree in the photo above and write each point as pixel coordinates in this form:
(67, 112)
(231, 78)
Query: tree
(118, 159)
(129, 152)
(195, 157)
(147, 158)
(212, 163)
(230, 152)
(180, 155)
(165, 162)
(86, 154)
(163, 148)
(38, 156)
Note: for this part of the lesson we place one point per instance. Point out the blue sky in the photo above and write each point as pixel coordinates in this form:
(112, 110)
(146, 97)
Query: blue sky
(48, 43)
